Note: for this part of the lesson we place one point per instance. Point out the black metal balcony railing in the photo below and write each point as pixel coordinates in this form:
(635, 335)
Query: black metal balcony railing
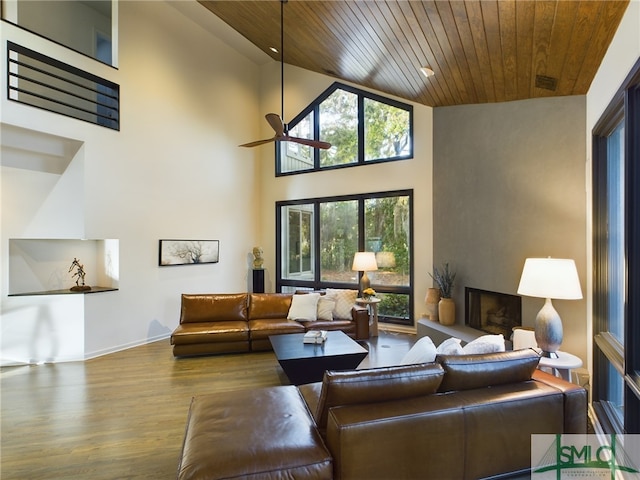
(43, 82)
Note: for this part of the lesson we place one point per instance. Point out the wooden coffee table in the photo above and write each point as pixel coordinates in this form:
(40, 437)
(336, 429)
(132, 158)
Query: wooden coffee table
(306, 363)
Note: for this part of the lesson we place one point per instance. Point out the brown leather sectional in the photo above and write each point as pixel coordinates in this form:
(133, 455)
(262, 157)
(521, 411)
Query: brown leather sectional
(242, 322)
(465, 417)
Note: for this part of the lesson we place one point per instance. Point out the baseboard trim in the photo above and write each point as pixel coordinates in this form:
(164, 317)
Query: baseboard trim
(126, 346)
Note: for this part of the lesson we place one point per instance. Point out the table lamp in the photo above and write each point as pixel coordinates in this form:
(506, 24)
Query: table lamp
(364, 262)
(549, 278)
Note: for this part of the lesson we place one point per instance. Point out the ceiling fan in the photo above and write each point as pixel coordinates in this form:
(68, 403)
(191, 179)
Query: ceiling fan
(280, 128)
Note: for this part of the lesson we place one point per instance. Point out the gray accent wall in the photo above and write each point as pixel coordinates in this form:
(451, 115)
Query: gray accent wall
(509, 183)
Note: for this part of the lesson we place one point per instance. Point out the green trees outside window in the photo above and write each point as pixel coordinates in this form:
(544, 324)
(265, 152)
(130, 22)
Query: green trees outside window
(386, 131)
(361, 127)
(338, 240)
(319, 238)
(339, 127)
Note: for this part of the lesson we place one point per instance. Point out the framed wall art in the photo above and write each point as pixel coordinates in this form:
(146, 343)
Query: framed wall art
(188, 252)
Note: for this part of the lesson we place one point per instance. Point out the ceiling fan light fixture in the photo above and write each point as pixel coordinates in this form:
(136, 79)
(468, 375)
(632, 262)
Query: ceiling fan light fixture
(427, 72)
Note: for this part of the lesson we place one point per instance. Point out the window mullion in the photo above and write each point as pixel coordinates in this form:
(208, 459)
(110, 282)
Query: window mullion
(361, 141)
(362, 246)
(316, 135)
(600, 234)
(279, 247)
(316, 244)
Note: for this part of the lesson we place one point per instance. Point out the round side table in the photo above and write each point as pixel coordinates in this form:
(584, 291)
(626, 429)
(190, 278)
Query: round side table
(372, 305)
(561, 366)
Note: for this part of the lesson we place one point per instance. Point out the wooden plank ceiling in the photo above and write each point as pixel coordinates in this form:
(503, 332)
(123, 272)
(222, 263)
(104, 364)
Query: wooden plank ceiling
(481, 50)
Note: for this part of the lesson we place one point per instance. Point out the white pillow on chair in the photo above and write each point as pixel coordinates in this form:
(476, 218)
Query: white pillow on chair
(423, 351)
(451, 346)
(485, 344)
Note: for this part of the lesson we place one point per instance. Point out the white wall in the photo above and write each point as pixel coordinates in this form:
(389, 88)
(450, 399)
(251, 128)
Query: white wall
(173, 171)
(622, 54)
(301, 88)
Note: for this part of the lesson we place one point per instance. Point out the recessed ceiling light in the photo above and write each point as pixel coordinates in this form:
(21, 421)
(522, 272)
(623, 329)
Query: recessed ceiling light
(427, 72)
(273, 49)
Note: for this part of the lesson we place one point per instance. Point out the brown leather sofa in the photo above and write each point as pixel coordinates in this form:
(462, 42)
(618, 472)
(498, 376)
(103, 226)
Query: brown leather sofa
(242, 322)
(465, 417)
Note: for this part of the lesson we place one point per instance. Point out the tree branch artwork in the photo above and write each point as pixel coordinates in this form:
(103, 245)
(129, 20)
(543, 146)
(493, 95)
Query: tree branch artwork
(188, 252)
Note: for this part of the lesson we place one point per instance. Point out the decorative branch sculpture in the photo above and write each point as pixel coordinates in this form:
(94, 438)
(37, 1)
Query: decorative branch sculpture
(80, 273)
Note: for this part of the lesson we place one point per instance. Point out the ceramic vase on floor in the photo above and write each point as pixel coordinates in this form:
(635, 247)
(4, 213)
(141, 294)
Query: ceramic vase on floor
(432, 299)
(447, 311)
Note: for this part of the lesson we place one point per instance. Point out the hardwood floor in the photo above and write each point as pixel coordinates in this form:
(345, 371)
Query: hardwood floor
(122, 416)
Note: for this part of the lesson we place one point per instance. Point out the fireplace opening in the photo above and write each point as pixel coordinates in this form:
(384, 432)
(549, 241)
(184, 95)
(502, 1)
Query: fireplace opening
(492, 312)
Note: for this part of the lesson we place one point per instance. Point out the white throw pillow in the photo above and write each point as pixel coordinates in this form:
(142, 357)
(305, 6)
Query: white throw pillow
(325, 308)
(345, 300)
(304, 307)
(485, 344)
(423, 351)
(451, 346)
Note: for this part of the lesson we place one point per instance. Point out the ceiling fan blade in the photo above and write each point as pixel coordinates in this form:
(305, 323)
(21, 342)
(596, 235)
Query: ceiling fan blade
(259, 142)
(276, 123)
(275, 120)
(307, 141)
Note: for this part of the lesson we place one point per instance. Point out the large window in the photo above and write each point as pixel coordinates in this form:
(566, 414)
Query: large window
(319, 237)
(616, 247)
(361, 127)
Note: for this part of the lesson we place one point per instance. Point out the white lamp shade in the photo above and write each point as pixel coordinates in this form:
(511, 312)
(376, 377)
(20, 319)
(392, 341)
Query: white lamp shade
(555, 278)
(364, 262)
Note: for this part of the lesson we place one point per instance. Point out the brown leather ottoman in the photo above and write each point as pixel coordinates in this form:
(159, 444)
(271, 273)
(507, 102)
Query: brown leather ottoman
(263, 433)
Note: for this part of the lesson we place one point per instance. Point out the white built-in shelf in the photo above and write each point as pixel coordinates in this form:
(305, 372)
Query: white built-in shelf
(67, 291)
(41, 266)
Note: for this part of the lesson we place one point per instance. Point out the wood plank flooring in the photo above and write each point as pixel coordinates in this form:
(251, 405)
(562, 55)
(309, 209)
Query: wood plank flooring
(122, 416)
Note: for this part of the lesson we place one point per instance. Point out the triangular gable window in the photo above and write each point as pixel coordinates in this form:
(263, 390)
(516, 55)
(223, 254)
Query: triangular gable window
(361, 127)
